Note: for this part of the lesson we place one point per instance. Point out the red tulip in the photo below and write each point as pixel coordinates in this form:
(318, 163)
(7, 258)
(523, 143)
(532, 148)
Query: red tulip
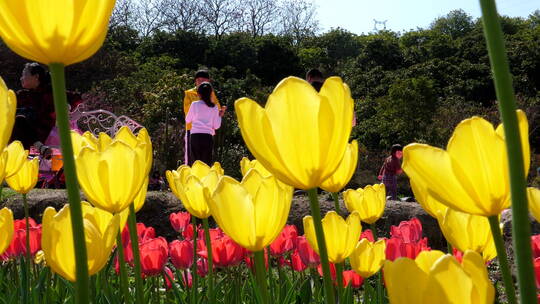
(187, 234)
(332, 271)
(168, 276)
(535, 242)
(215, 233)
(457, 254)
(143, 233)
(180, 220)
(395, 248)
(367, 234)
(249, 259)
(181, 253)
(537, 271)
(307, 254)
(408, 231)
(285, 242)
(17, 247)
(202, 267)
(351, 277)
(225, 252)
(154, 254)
(296, 262)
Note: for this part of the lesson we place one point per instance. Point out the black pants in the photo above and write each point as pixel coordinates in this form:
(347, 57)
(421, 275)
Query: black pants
(201, 146)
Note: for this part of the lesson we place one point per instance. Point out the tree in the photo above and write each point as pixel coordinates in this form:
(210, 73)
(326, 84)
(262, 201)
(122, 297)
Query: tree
(457, 23)
(181, 15)
(221, 16)
(260, 16)
(298, 19)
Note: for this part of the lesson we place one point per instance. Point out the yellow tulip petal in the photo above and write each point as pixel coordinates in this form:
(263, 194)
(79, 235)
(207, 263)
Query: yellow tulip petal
(369, 202)
(483, 290)
(367, 258)
(300, 136)
(339, 179)
(426, 259)
(433, 166)
(233, 210)
(428, 203)
(448, 283)
(6, 228)
(405, 281)
(55, 31)
(8, 107)
(533, 195)
(16, 157)
(26, 178)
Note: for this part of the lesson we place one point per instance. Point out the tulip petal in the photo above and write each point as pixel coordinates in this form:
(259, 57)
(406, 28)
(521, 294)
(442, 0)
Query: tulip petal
(405, 281)
(533, 195)
(483, 290)
(448, 283)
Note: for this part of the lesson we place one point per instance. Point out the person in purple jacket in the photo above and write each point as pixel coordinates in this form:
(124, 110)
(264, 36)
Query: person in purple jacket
(205, 118)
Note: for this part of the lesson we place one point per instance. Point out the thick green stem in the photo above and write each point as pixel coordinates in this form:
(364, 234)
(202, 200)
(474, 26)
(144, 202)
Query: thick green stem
(123, 270)
(339, 283)
(316, 214)
(380, 295)
(260, 274)
(503, 260)
(194, 274)
(210, 260)
(335, 197)
(521, 229)
(72, 185)
(373, 227)
(132, 222)
(27, 251)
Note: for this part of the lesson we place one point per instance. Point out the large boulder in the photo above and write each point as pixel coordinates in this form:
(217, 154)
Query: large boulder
(159, 204)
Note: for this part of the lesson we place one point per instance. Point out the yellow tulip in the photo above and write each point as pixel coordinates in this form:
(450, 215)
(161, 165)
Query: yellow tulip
(194, 186)
(6, 228)
(471, 175)
(367, 258)
(246, 164)
(428, 203)
(339, 179)
(16, 157)
(301, 135)
(140, 199)
(111, 178)
(340, 236)
(100, 230)
(252, 212)
(55, 31)
(26, 178)
(8, 106)
(468, 232)
(533, 195)
(434, 277)
(369, 202)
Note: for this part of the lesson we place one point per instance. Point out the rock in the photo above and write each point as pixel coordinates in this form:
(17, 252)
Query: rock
(159, 204)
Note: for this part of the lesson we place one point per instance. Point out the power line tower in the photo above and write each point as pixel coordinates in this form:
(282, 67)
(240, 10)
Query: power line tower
(376, 22)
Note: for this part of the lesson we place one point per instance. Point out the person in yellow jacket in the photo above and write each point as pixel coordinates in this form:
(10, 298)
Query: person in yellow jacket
(190, 96)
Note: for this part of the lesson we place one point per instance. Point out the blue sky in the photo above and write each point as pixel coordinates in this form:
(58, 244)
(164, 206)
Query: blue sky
(357, 15)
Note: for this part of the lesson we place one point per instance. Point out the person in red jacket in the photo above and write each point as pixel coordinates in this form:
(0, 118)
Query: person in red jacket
(390, 169)
(35, 116)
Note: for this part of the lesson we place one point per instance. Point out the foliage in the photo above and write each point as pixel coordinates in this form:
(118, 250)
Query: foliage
(410, 86)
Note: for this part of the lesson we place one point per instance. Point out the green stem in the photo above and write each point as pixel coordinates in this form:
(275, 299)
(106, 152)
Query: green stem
(521, 229)
(380, 293)
(335, 197)
(373, 227)
(28, 257)
(503, 259)
(260, 274)
(316, 213)
(210, 260)
(194, 274)
(339, 283)
(72, 186)
(449, 248)
(132, 222)
(123, 270)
